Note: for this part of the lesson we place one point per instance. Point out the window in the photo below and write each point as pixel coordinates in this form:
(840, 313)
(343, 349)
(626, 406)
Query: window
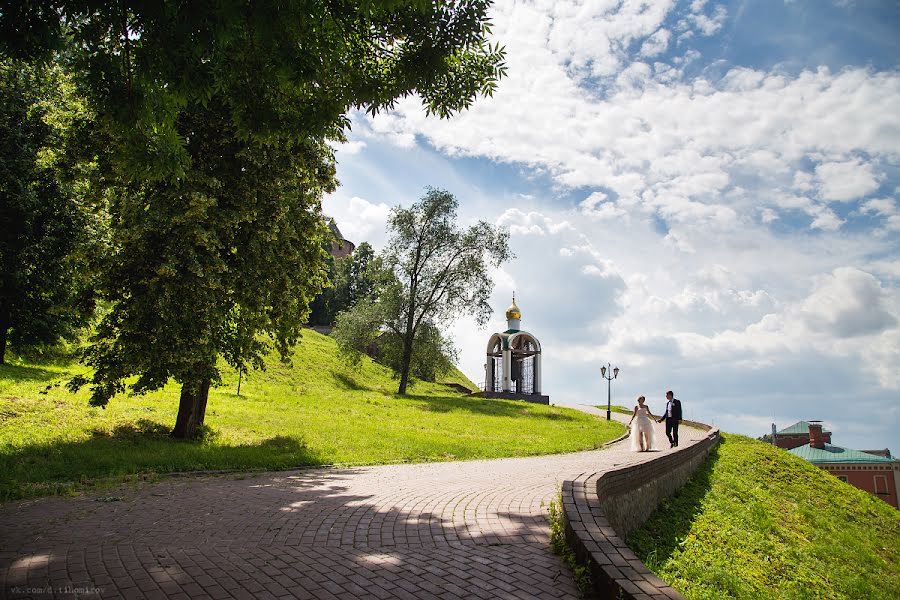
(842, 478)
(881, 485)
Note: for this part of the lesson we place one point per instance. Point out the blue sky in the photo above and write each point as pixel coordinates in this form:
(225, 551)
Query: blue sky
(703, 194)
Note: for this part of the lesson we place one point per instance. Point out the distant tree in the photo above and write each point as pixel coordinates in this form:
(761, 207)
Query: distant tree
(212, 155)
(349, 282)
(322, 308)
(434, 353)
(357, 329)
(44, 227)
(431, 273)
(353, 278)
(362, 330)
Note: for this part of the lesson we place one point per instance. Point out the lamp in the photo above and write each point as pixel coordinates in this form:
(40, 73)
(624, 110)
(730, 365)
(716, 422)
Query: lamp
(613, 374)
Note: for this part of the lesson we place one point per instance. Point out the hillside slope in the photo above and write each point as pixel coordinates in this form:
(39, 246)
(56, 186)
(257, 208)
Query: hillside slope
(758, 522)
(315, 411)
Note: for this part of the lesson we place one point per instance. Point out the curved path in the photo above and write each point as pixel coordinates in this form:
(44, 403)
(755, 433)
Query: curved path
(473, 529)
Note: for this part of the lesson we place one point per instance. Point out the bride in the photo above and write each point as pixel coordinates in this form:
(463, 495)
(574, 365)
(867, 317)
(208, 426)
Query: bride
(642, 438)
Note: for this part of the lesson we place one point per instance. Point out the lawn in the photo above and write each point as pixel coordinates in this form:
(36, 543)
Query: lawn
(616, 408)
(318, 411)
(757, 522)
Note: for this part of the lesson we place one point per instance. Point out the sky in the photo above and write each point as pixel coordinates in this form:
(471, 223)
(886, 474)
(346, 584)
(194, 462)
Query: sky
(703, 194)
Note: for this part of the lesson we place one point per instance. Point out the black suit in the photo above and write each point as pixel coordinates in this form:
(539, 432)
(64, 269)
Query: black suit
(673, 421)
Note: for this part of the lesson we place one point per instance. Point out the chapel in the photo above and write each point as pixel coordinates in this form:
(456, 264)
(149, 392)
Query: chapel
(513, 366)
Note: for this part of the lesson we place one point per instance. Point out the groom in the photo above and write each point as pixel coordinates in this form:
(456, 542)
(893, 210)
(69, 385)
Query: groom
(672, 417)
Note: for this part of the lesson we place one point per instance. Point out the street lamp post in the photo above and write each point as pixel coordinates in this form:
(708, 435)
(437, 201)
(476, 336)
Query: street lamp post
(613, 373)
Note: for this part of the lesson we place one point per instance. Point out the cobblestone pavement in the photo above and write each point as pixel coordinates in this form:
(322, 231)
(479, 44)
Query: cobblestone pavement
(443, 530)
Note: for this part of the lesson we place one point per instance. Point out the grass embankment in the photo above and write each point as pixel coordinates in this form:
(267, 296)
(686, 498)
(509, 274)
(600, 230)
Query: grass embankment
(757, 522)
(316, 412)
(616, 409)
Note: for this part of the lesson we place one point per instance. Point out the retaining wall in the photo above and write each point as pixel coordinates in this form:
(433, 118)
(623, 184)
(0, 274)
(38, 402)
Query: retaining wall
(600, 509)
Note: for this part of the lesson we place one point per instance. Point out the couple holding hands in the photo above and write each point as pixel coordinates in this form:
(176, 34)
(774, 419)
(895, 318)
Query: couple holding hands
(642, 438)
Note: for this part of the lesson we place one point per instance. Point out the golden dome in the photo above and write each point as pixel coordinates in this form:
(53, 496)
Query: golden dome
(513, 311)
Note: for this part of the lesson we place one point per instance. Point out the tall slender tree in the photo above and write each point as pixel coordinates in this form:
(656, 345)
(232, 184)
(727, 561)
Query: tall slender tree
(212, 151)
(432, 271)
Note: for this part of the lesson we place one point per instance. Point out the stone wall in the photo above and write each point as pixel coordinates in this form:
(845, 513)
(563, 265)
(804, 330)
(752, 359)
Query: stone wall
(600, 509)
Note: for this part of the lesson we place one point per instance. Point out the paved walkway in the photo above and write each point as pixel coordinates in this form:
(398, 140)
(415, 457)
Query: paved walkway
(447, 530)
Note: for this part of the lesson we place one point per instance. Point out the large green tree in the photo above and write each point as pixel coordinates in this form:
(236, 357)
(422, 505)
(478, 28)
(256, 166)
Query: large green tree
(202, 267)
(431, 272)
(211, 150)
(44, 227)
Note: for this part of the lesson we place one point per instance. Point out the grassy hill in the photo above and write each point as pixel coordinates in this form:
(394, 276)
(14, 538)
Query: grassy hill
(617, 408)
(757, 522)
(318, 411)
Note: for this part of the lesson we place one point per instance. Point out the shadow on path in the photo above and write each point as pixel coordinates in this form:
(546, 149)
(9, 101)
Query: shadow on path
(320, 533)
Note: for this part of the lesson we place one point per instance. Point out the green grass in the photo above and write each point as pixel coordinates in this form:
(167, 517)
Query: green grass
(317, 412)
(757, 522)
(616, 409)
(581, 572)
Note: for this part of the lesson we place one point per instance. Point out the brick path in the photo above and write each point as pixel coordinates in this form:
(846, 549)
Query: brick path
(447, 530)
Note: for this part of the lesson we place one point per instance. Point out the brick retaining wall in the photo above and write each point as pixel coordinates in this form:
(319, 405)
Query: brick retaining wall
(600, 509)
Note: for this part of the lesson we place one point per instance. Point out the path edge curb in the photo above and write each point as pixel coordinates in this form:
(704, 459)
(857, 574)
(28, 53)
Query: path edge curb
(600, 509)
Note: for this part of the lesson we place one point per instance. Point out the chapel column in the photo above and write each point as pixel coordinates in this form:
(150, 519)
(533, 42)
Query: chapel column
(507, 370)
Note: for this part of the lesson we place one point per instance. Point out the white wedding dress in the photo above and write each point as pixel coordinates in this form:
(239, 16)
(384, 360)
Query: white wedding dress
(642, 424)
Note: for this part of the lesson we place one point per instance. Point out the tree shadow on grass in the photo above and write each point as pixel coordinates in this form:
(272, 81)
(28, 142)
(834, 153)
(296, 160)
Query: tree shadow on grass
(656, 541)
(346, 382)
(485, 406)
(142, 430)
(17, 373)
(138, 450)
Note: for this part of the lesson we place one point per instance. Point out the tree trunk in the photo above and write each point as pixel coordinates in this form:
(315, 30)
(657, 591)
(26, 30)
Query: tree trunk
(4, 326)
(405, 361)
(191, 409)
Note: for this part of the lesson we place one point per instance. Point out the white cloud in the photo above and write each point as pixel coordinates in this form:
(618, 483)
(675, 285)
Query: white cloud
(708, 323)
(803, 181)
(348, 148)
(591, 37)
(712, 232)
(847, 303)
(520, 223)
(709, 24)
(848, 313)
(656, 44)
(882, 356)
(358, 219)
(677, 147)
(767, 215)
(888, 268)
(847, 180)
(824, 219)
(886, 208)
(598, 206)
